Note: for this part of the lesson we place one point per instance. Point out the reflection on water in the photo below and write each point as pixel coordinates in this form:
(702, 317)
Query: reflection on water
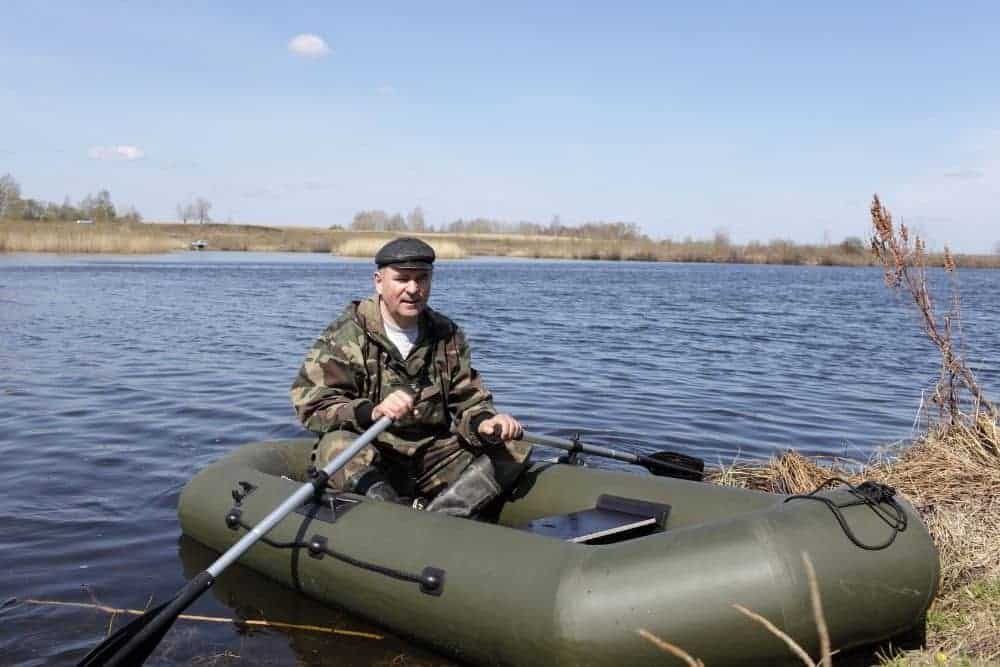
(121, 377)
(251, 596)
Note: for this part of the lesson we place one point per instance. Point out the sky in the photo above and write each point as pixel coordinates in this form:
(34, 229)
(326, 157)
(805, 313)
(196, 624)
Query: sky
(764, 120)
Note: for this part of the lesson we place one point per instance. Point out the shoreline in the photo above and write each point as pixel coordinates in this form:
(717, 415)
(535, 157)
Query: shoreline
(156, 238)
(951, 475)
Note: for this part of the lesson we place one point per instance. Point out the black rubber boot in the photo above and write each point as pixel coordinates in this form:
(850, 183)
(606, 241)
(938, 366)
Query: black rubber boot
(371, 483)
(476, 486)
(383, 491)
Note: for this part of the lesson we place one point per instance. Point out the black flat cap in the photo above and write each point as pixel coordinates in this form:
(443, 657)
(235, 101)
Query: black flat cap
(405, 253)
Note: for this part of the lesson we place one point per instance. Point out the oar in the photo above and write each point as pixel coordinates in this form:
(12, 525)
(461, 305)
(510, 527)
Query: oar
(663, 464)
(133, 643)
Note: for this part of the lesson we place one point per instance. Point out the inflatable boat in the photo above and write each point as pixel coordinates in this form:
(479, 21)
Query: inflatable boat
(575, 561)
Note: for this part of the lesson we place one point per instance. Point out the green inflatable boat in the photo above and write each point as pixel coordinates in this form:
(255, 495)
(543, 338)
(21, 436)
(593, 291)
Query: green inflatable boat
(576, 561)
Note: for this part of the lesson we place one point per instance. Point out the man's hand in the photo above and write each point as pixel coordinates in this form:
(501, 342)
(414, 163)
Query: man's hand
(395, 405)
(510, 428)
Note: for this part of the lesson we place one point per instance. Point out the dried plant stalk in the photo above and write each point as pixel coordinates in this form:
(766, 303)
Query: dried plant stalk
(905, 269)
(667, 647)
(777, 632)
(825, 654)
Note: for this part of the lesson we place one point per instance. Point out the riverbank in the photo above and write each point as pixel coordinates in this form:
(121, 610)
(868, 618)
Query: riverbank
(66, 237)
(71, 238)
(951, 475)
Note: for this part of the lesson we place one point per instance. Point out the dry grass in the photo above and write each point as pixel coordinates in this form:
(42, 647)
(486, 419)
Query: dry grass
(259, 238)
(68, 237)
(368, 246)
(952, 477)
(252, 238)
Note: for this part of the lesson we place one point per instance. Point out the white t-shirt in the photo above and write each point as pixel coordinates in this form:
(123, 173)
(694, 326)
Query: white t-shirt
(403, 339)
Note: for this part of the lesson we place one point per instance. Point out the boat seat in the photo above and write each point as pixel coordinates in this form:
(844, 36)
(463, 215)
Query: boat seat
(613, 519)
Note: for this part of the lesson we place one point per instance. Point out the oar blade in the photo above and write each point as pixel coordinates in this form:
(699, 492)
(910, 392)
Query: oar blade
(676, 465)
(133, 643)
(110, 651)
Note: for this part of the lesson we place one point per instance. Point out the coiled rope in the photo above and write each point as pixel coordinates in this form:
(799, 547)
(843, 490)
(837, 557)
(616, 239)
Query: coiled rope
(881, 498)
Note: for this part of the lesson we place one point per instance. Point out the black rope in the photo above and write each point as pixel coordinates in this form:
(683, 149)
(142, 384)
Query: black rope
(430, 579)
(872, 494)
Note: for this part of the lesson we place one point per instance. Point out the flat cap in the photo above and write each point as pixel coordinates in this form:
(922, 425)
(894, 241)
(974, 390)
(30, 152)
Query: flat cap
(405, 252)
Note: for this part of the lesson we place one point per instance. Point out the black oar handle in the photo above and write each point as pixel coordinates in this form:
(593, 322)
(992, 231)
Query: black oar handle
(575, 446)
(625, 457)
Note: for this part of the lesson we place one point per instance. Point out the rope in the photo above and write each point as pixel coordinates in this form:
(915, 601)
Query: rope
(213, 619)
(430, 580)
(872, 494)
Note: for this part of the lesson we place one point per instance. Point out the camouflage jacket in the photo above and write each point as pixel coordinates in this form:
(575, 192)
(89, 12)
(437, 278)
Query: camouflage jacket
(352, 366)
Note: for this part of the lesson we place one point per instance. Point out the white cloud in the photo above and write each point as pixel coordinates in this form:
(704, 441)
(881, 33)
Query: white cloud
(123, 152)
(385, 90)
(308, 46)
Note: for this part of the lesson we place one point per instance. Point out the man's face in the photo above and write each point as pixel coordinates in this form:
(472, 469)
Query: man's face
(404, 292)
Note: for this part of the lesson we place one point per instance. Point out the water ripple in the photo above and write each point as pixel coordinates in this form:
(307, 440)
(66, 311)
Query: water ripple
(121, 377)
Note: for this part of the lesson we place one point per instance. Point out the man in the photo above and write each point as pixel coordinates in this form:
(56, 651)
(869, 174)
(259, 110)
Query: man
(391, 355)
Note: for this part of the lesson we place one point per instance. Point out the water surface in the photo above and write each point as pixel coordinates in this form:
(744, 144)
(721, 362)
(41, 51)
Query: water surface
(120, 377)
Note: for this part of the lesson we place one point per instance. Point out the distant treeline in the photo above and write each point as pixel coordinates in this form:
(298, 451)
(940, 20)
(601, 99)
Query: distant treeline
(380, 221)
(95, 207)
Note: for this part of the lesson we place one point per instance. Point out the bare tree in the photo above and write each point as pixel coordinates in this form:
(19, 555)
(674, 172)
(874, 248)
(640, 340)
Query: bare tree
(370, 221)
(31, 209)
(185, 212)
(415, 220)
(10, 193)
(99, 207)
(395, 224)
(131, 215)
(201, 208)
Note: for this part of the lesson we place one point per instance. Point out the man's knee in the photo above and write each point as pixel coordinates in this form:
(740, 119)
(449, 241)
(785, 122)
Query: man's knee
(333, 443)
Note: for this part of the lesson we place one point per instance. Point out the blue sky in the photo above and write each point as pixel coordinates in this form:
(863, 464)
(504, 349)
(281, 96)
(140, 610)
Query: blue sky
(766, 120)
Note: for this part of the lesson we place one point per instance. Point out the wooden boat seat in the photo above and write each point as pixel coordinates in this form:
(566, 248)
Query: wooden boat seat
(613, 519)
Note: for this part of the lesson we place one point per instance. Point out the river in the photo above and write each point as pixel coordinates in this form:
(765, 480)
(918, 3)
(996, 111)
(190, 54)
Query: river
(120, 377)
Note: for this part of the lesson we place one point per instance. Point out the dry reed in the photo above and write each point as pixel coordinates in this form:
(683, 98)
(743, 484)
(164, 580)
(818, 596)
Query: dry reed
(261, 238)
(368, 246)
(904, 260)
(246, 622)
(72, 238)
(667, 647)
